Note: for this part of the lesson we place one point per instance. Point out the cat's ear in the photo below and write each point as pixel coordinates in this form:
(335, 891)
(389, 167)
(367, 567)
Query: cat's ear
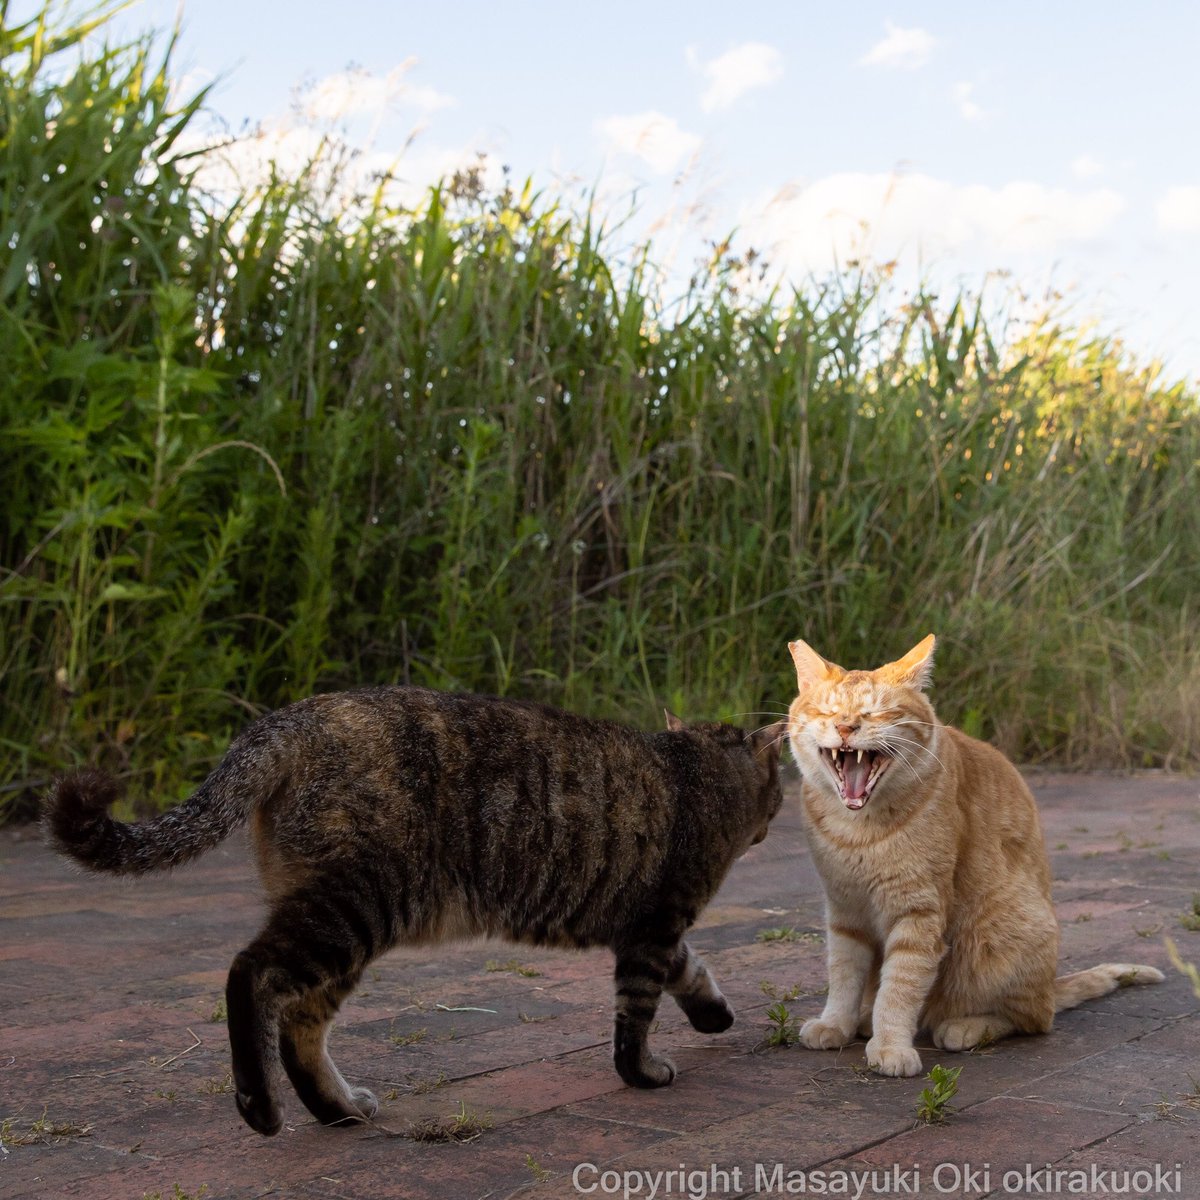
(915, 669)
(674, 724)
(810, 666)
(765, 742)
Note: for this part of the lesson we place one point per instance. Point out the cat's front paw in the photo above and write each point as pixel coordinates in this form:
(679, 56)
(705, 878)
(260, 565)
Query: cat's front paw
(823, 1035)
(260, 1112)
(895, 1059)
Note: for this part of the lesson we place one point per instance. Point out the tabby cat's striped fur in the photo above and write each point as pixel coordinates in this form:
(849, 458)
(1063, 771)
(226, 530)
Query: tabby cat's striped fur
(401, 815)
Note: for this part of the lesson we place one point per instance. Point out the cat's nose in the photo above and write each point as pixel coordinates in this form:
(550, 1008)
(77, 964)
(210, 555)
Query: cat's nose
(844, 731)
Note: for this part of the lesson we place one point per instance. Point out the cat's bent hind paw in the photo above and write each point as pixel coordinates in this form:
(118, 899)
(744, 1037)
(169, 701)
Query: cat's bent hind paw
(364, 1101)
(650, 1071)
(708, 1016)
(260, 1112)
(892, 1060)
(965, 1033)
(822, 1035)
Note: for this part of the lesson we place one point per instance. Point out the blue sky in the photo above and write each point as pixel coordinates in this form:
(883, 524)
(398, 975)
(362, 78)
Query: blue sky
(1056, 141)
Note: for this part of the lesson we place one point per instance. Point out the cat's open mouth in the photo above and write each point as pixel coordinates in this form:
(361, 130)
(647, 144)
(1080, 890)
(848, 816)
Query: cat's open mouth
(857, 772)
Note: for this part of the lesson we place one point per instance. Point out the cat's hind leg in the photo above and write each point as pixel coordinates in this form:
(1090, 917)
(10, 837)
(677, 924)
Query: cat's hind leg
(695, 991)
(316, 938)
(304, 1030)
(966, 1033)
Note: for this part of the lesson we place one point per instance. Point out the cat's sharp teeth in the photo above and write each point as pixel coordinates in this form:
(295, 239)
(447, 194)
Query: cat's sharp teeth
(860, 756)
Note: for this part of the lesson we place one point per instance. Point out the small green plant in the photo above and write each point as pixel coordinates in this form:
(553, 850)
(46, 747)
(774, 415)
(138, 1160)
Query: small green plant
(1191, 920)
(933, 1104)
(1184, 968)
(177, 1193)
(774, 992)
(219, 1013)
(535, 1168)
(464, 1126)
(218, 1085)
(513, 967)
(408, 1039)
(43, 1131)
(782, 1029)
(787, 933)
(430, 1083)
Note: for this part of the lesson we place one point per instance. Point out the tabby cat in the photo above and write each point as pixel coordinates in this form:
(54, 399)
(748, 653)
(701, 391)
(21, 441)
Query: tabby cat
(937, 883)
(399, 815)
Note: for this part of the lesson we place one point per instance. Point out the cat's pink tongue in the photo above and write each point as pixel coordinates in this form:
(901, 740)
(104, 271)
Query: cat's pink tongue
(854, 776)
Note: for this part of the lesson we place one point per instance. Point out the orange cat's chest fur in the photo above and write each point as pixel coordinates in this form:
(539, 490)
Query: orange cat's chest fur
(967, 845)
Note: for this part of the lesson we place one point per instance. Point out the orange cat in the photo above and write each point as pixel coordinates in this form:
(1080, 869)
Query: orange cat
(930, 848)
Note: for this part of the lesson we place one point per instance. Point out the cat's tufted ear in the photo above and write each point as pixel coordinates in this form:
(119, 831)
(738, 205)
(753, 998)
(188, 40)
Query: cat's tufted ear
(915, 669)
(674, 724)
(810, 666)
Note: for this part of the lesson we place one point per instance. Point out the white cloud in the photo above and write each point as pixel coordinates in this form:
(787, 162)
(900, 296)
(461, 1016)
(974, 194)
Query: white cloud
(738, 71)
(231, 166)
(358, 92)
(654, 138)
(908, 48)
(967, 108)
(883, 216)
(334, 130)
(1086, 167)
(1178, 210)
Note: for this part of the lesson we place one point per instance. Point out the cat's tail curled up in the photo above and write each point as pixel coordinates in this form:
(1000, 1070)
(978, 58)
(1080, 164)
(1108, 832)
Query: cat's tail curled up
(76, 821)
(1070, 990)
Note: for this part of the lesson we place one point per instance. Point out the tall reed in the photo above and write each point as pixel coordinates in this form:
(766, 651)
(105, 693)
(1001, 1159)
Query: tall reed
(255, 449)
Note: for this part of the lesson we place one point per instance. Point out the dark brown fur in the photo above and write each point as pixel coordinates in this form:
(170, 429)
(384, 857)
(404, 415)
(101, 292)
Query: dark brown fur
(399, 815)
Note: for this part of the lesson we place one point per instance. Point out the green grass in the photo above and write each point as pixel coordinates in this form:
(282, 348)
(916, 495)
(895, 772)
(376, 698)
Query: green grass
(1190, 920)
(782, 1029)
(259, 448)
(512, 967)
(933, 1104)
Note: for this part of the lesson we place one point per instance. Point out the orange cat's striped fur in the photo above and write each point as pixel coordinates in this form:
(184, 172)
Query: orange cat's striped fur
(930, 848)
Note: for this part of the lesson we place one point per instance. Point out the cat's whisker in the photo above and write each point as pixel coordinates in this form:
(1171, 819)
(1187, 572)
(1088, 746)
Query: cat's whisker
(901, 757)
(916, 744)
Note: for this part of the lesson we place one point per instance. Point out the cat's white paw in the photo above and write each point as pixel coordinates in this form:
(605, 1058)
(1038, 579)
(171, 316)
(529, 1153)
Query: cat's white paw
(965, 1033)
(894, 1059)
(821, 1035)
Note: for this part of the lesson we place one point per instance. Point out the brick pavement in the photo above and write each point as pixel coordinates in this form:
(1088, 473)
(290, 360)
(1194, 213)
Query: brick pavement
(114, 1062)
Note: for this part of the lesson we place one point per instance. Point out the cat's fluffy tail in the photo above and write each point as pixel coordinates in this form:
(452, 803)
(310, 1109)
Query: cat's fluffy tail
(1070, 990)
(77, 824)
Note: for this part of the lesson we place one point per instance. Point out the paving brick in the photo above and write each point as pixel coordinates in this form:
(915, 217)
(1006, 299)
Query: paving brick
(101, 980)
